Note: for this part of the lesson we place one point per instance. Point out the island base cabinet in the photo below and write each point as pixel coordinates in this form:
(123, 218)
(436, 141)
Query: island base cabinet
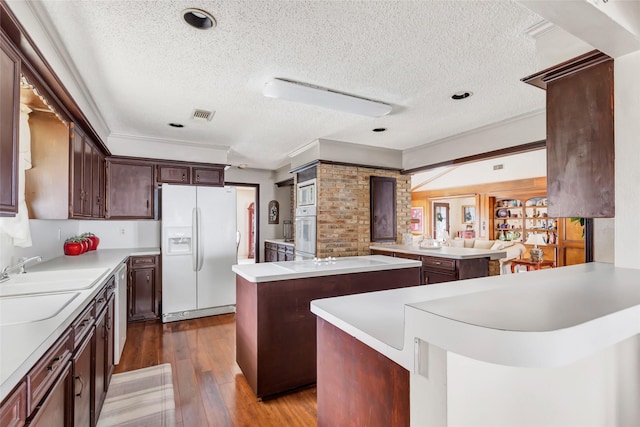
(276, 331)
(357, 386)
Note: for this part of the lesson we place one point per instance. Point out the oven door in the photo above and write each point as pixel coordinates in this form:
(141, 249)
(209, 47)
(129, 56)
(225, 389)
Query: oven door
(305, 237)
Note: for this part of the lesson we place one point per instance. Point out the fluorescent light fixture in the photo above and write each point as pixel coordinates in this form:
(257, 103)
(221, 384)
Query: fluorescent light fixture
(323, 97)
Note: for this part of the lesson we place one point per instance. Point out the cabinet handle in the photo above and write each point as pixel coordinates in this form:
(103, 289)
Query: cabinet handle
(84, 323)
(183, 177)
(101, 300)
(54, 364)
(148, 278)
(197, 178)
(79, 378)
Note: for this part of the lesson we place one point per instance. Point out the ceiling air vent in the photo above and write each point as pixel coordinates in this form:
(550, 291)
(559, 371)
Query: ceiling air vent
(203, 115)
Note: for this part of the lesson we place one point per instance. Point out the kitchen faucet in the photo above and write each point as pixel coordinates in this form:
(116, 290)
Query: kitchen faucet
(22, 263)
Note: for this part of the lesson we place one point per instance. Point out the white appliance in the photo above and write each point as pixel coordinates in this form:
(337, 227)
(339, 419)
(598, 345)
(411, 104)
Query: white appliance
(306, 195)
(305, 241)
(120, 312)
(198, 250)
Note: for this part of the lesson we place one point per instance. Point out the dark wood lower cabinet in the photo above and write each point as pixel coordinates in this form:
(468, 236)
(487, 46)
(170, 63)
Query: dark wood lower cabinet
(357, 386)
(55, 409)
(276, 331)
(68, 385)
(145, 291)
(82, 383)
(278, 252)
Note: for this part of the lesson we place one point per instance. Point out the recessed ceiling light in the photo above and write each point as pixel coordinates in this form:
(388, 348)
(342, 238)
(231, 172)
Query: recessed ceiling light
(198, 18)
(176, 125)
(461, 95)
(379, 129)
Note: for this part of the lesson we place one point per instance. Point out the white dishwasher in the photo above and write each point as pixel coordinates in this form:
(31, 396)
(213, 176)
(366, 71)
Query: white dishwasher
(120, 332)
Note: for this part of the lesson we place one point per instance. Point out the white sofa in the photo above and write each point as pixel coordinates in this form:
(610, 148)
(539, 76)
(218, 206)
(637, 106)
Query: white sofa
(514, 250)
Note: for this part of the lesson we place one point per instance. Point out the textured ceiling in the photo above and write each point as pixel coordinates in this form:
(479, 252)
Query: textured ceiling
(144, 68)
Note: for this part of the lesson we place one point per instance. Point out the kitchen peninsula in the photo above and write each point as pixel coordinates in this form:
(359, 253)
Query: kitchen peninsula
(276, 332)
(444, 264)
(539, 348)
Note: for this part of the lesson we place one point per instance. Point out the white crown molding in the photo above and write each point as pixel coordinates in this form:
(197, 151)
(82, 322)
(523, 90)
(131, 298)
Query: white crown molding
(48, 29)
(174, 142)
(478, 130)
(539, 29)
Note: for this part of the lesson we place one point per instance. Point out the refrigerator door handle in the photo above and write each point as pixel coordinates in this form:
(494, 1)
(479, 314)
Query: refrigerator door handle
(194, 239)
(199, 241)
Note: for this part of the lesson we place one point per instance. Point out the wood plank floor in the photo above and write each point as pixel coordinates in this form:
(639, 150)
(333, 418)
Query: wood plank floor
(209, 387)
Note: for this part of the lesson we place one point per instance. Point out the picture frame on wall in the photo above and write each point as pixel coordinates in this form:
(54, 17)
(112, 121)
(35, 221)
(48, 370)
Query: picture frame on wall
(417, 224)
(468, 214)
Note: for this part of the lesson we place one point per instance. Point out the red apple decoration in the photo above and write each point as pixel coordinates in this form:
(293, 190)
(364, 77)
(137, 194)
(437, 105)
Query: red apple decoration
(94, 240)
(72, 247)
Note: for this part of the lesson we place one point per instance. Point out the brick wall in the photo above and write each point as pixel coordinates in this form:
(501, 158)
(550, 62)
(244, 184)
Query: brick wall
(343, 208)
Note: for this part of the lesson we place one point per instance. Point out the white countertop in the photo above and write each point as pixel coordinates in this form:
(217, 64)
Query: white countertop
(22, 345)
(286, 270)
(443, 252)
(280, 241)
(542, 318)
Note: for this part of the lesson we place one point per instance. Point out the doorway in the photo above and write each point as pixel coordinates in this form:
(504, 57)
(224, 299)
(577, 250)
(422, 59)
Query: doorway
(441, 220)
(248, 222)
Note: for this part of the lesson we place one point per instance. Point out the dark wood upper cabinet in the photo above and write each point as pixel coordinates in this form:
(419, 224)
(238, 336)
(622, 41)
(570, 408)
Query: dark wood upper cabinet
(173, 174)
(9, 116)
(87, 180)
(208, 176)
(130, 189)
(383, 209)
(580, 136)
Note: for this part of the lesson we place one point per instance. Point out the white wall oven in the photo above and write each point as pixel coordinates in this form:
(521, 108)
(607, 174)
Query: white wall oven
(306, 193)
(305, 241)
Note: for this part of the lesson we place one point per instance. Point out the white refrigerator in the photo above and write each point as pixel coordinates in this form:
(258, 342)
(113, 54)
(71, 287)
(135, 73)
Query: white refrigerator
(198, 250)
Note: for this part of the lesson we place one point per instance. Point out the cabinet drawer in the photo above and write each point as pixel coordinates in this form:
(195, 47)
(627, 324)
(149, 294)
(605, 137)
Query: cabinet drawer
(83, 324)
(45, 372)
(143, 261)
(408, 256)
(101, 300)
(288, 249)
(439, 263)
(282, 248)
(269, 245)
(13, 412)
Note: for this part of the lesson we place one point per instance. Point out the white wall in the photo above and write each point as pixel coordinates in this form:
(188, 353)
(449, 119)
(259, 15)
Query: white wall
(627, 172)
(123, 234)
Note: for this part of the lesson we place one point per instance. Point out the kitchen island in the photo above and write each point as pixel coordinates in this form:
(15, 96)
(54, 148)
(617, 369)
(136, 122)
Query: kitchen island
(276, 332)
(552, 347)
(444, 264)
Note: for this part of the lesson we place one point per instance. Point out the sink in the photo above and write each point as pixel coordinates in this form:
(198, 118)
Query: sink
(33, 308)
(52, 281)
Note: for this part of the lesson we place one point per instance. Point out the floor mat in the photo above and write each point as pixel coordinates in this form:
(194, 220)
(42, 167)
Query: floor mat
(140, 398)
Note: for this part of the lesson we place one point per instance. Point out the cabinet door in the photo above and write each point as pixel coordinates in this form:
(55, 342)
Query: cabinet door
(171, 174)
(208, 176)
(580, 143)
(13, 412)
(97, 183)
(55, 409)
(82, 383)
(383, 209)
(76, 183)
(143, 292)
(99, 385)
(130, 189)
(109, 365)
(9, 116)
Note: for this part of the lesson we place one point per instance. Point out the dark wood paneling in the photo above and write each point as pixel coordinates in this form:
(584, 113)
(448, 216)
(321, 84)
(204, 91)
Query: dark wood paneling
(9, 116)
(383, 209)
(580, 144)
(357, 386)
(276, 332)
